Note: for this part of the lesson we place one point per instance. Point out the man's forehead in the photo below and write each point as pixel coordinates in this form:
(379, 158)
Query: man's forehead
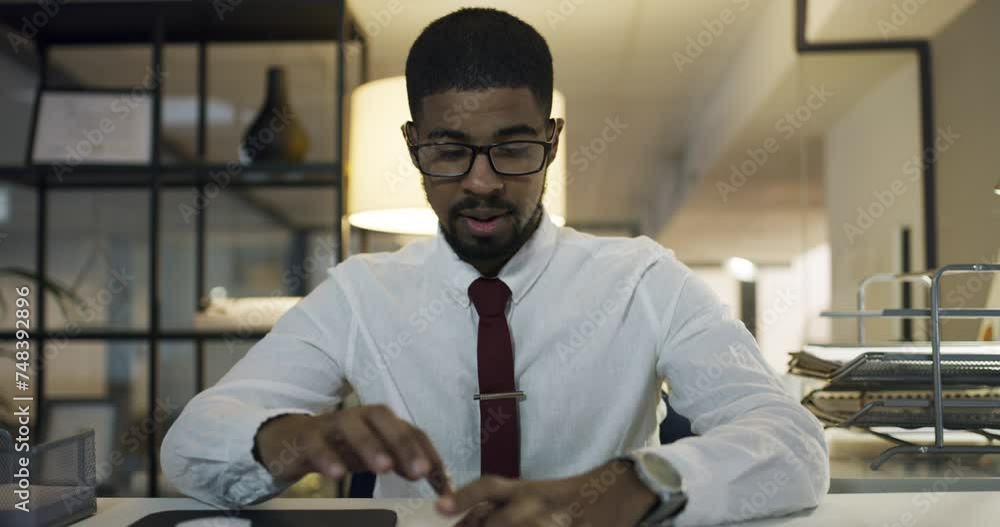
(494, 101)
(481, 114)
(491, 97)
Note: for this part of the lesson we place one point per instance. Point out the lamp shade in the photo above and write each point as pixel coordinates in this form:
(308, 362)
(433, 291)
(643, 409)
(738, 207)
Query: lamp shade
(384, 191)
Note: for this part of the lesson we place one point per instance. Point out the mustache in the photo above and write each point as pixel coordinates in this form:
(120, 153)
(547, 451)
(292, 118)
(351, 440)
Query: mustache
(472, 202)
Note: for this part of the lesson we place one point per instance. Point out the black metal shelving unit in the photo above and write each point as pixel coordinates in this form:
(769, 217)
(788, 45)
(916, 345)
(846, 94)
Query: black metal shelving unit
(158, 23)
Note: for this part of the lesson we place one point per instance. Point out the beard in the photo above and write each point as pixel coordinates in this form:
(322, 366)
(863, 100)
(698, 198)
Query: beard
(491, 248)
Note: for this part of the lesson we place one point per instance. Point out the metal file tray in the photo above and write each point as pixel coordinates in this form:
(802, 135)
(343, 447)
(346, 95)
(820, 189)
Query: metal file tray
(962, 409)
(844, 353)
(879, 369)
(942, 372)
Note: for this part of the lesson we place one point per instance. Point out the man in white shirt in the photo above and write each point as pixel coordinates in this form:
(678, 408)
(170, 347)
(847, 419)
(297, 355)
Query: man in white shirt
(509, 366)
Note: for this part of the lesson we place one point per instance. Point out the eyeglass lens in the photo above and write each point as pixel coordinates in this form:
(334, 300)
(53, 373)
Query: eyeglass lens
(508, 158)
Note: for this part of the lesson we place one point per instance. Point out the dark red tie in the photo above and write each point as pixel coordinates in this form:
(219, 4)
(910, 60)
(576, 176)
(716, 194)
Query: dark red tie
(498, 397)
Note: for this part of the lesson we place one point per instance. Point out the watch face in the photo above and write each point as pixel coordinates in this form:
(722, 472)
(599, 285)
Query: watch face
(661, 470)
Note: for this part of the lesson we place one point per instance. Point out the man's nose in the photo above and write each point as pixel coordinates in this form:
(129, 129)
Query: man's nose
(481, 178)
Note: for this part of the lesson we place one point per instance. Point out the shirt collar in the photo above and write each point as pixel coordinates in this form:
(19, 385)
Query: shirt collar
(519, 273)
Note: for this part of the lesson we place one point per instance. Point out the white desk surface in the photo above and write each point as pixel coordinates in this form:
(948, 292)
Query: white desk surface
(927, 509)
(851, 453)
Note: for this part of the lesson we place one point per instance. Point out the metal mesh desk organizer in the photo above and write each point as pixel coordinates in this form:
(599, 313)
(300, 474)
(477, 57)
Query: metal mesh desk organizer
(63, 481)
(909, 385)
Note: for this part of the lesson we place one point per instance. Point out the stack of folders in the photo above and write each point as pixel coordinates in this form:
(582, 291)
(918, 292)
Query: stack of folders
(891, 385)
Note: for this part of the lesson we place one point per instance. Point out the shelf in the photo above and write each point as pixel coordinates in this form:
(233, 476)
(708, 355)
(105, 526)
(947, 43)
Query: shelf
(320, 174)
(315, 204)
(914, 313)
(261, 174)
(125, 334)
(214, 334)
(185, 22)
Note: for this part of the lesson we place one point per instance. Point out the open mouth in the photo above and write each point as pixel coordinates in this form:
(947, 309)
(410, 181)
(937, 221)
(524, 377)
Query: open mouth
(483, 223)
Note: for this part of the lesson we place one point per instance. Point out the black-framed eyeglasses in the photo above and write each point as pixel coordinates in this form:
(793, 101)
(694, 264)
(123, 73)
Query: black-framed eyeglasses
(452, 159)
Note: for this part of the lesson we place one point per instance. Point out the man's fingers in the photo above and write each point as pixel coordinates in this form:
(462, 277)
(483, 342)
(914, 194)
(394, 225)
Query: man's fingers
(438, 474)
(353, 433)
(493, 489)
(401, 441)
(415, 454)
(374, 438)
(323, 458)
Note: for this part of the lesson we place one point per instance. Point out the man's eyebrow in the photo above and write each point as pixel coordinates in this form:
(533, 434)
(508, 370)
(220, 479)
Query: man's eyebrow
(447, 133)
(457, 135)
(517, 129)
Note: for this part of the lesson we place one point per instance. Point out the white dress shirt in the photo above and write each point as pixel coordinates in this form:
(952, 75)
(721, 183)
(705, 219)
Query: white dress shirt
(598, 324)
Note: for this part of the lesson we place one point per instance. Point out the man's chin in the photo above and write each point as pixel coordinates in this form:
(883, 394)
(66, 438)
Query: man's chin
(472, 244)
(474, 247)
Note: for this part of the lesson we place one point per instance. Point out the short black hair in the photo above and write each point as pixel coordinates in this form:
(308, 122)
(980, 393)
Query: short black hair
(478, 48)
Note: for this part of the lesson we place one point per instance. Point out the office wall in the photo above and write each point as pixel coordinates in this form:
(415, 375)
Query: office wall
(873, 190)
(967, 87)
(789, 300)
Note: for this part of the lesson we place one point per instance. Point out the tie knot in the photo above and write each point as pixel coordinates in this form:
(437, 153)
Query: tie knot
(489, 295)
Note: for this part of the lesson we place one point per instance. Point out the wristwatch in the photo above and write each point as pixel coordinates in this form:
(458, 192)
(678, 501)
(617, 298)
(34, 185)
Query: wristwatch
(662, 479)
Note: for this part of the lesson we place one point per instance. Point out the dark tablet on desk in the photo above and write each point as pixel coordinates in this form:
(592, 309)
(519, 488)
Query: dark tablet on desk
(274, 518)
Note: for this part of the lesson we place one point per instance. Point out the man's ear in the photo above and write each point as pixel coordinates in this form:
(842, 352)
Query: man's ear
(408, 134)
(410, 137)
(558, 126)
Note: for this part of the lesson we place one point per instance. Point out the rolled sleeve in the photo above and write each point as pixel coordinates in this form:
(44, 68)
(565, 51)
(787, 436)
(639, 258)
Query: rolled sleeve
(208, 452)
(234, 480)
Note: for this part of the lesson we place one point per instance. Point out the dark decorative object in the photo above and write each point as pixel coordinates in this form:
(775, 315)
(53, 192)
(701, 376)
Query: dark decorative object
(276, 134)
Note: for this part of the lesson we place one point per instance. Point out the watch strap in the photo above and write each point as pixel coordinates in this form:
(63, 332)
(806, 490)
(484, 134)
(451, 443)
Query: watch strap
(671, 501)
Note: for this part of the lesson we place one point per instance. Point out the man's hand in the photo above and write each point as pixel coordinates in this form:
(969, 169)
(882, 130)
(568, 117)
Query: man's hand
(363, 438)
(610, 495)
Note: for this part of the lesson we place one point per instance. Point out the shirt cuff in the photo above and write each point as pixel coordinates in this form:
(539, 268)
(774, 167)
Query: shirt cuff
(253, 482)
(696, 483)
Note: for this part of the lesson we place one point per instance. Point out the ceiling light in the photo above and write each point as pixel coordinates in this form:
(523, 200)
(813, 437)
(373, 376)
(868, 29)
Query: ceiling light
(741, 269)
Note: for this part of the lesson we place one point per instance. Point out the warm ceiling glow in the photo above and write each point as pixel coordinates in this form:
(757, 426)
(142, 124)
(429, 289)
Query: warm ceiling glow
(384, 191)
(401, 221)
